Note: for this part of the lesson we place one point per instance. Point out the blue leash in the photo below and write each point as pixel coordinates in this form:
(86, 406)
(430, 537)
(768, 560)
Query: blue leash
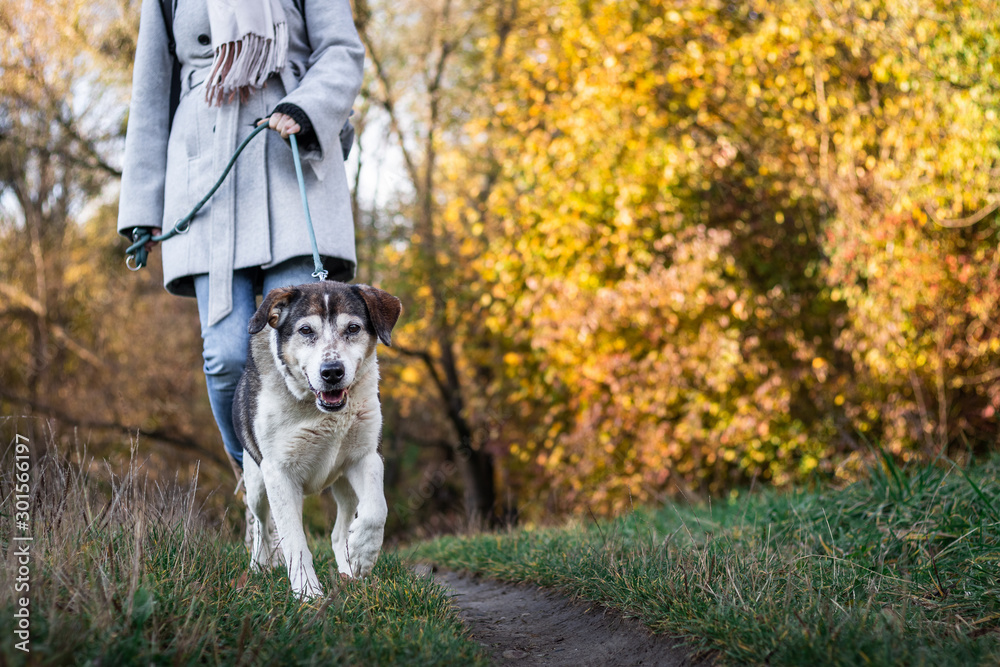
(137, 253)
(319, 272)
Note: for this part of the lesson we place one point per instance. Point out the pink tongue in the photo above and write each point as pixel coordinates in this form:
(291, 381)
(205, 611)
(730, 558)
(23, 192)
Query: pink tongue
(333, 397)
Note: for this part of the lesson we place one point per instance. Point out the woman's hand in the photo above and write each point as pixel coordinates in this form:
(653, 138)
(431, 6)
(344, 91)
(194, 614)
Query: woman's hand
(281, 123)
(153, 231)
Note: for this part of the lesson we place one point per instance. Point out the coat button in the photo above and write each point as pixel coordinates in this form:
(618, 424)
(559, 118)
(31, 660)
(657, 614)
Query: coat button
(204, 39)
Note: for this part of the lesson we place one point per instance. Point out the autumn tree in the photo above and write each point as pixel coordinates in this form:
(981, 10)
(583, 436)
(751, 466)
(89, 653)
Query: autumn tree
(677, 257)
(424, 84)
(84, 354)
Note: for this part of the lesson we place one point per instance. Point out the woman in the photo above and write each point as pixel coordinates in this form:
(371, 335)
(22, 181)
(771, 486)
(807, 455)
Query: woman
(298, 63)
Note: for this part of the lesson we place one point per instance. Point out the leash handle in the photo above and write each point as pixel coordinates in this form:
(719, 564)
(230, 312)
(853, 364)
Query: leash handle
(320, 273)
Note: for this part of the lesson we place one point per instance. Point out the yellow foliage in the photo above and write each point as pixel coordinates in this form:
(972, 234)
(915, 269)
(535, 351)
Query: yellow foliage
(707, 250)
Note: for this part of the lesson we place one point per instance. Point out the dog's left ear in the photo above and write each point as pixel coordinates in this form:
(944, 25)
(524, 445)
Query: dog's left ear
(271, 309)
(383, 310)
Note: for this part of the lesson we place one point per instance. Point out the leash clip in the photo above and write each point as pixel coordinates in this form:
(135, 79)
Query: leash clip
(321, 274)
(135, 254)
(182, 226)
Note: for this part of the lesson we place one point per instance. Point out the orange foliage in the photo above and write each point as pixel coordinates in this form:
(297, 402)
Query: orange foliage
(705, 259)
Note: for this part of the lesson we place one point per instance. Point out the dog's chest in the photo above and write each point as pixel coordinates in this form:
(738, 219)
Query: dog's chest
(311, 445)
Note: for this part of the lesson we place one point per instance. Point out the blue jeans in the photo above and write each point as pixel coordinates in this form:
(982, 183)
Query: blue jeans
(227, 342)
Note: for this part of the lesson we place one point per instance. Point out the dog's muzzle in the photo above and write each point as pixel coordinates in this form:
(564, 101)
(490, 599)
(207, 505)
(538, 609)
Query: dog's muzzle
(334, 399)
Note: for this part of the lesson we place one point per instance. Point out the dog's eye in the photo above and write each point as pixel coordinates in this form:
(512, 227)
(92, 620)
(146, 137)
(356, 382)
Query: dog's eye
(305, 330)
(353, 328)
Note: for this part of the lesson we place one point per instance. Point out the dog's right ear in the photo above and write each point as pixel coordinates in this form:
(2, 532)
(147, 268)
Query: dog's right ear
(272, 309)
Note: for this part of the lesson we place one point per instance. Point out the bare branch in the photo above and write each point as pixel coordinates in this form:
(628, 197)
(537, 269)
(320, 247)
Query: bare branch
(958, 223)
(428, 360)
(387, 102)
(177, 440)
(35, 306)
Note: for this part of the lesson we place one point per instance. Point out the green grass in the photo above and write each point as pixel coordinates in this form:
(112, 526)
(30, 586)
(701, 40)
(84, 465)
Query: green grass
(900, 569)
(134, 577)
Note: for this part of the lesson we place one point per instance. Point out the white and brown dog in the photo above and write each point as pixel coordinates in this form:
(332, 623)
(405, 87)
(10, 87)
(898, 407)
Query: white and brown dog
(308, 415)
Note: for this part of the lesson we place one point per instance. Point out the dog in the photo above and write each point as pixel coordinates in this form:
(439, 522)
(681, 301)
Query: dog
(307, 413)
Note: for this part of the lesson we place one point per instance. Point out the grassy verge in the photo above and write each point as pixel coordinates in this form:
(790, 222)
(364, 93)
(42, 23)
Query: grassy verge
(133, 577)
(903, 568)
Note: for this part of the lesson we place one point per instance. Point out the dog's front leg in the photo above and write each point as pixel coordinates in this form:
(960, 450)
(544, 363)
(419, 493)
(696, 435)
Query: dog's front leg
(264, 552)
(347, 506)
(285, 499)
(256, 497)
(365, 534)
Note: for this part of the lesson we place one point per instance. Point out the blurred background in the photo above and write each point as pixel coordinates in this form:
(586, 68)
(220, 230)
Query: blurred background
(645, 249)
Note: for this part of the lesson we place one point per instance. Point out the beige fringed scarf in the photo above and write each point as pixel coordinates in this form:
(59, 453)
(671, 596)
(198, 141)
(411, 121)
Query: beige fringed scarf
(250, 40)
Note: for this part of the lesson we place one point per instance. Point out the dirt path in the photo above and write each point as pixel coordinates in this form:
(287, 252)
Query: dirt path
(528, 625)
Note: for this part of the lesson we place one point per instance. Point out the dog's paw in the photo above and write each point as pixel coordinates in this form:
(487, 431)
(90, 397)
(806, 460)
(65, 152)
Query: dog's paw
(364, 541)
(309, 592)
(266, 557)
(306, 587)
(276, 559)
(259, 560)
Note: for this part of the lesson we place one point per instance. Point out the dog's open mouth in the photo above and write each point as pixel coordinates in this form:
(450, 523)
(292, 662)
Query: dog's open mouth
(332, 400)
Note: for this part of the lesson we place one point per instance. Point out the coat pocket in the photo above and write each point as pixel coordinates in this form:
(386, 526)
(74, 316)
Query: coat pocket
(196, 124)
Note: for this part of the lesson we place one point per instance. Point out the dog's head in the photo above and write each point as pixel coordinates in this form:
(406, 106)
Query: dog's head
(324, 333)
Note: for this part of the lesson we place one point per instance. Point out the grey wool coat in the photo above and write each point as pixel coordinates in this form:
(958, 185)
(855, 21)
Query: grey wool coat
(256, 217)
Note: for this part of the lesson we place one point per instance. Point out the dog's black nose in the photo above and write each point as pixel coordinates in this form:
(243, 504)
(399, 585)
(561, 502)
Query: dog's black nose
(332, 371)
